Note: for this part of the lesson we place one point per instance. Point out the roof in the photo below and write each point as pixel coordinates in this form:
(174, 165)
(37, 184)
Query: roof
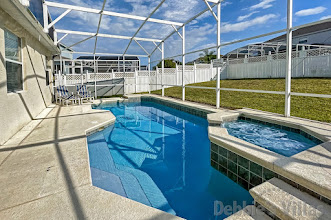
(26, 19)
(305, 30)
(107, 58)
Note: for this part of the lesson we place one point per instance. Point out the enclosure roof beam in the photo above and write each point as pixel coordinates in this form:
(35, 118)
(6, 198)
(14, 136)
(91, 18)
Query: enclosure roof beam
(141, 47)
(105, 35)
(177, 31)
(59, 18)
(188, 21)
(214, 1)
(157, 46)
(100, 19)
(109, 54)
(64, 36)
(211, 10)
(115, 14)
(142, 25)
(81, 41)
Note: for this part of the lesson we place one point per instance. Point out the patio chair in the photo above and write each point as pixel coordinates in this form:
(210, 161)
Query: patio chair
(83, 93)
(64, 96)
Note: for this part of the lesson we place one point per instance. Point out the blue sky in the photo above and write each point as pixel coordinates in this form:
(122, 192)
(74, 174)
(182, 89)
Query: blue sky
(240, 19)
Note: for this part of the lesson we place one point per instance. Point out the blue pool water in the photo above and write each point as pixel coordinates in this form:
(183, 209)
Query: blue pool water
(160, 157)
(286, 143)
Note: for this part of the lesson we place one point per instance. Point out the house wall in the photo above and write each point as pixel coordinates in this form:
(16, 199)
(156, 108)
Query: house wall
(17, 109)
(321, 37)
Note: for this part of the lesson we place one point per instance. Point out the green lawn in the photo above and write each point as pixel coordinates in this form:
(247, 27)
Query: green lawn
(304, 107)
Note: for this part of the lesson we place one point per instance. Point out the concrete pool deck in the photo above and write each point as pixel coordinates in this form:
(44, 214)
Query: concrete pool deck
(44, 171)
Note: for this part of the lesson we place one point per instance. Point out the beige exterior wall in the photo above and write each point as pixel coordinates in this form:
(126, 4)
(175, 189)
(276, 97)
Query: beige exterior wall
(17, 109)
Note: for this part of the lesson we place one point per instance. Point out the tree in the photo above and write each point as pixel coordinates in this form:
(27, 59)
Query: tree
(207, 56)
(168, 64)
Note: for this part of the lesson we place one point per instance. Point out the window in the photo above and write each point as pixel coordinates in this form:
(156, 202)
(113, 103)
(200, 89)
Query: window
(303, 41)
(13, 58)
(47, 77)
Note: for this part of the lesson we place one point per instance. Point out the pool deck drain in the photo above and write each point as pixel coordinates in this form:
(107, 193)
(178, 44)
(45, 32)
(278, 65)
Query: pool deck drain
(45, 174)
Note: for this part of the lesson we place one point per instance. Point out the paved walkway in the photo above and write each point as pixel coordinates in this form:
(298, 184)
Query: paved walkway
(44, 172)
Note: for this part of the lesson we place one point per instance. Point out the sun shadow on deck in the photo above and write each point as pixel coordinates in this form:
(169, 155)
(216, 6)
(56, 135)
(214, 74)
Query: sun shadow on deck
(79, 212)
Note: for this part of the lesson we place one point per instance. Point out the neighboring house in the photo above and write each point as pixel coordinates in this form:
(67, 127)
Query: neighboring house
(318, 34)
(66, 58)
(143, 67)
(25, 68)
(199, 60)
(103, 64)
(107, 64)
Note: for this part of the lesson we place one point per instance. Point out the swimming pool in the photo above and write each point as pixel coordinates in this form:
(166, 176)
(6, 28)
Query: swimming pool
(160, 157)
(271, 137)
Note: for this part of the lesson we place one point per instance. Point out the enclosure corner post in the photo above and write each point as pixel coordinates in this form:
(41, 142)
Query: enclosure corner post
(162, 72)
(149, 74)
(288, 59)
(218, 83)
(45, 15)
(183, 66)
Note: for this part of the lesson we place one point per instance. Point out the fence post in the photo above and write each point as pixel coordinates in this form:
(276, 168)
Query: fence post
(302, 55)
(59, 78)
(211, 70)
(269, 61)
(156, 74)
(176, 75)
(64, 80)
(136, 79)
(195, 72)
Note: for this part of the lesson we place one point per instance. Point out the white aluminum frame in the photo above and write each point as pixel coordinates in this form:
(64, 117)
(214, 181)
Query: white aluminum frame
(160, 45)
(289, 33)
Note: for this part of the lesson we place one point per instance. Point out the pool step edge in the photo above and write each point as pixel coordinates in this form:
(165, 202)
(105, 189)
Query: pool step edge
(287, 202)
(250, 212)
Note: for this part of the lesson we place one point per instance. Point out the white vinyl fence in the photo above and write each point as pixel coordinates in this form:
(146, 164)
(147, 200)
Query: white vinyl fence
(305, 63)
(140, 81)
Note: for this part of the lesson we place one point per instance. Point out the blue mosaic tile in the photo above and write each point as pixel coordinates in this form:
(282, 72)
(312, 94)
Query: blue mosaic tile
(246, 173)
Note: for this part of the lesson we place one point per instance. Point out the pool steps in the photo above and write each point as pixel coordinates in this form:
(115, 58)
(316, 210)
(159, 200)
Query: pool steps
(101, 159)
(288, 202)
(282, 201)
(250, 212)
(124, 181)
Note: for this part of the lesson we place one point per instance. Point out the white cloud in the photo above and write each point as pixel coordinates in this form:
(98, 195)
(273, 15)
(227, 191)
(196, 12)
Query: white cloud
(244, 17)
(311, 11)
(180, 10)
(241, 26)
(264, 4)
(325, 17)
(224, 4)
